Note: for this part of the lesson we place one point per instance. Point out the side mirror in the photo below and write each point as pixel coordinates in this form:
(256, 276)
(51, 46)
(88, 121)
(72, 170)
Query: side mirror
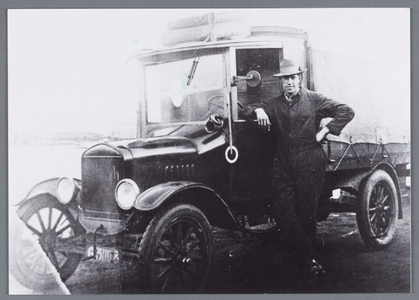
(215, 122)
(252, 78)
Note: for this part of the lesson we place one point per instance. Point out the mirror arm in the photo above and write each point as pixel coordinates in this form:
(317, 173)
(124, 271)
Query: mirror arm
(237, 79)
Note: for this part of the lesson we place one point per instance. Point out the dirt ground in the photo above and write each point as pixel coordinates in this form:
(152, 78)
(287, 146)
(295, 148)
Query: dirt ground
(242, 264)
(245, 265)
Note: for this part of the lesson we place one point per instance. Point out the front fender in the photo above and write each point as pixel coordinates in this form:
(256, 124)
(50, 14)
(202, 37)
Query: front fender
(155, 196)
(200, 195)
(47, 187)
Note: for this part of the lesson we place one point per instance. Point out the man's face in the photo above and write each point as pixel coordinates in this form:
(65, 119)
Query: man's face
(291, 84)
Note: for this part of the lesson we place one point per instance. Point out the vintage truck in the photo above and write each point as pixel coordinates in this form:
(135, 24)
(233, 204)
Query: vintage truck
(196, 163)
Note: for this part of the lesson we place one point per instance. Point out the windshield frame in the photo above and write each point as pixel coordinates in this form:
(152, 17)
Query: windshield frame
(145, 128)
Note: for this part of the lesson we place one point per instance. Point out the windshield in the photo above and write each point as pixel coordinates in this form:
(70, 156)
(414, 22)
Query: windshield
(186, 90)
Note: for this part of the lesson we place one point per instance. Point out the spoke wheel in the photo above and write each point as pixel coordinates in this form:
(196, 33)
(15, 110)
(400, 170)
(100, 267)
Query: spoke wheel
(177, 251)
(48, 225)
(377, 210)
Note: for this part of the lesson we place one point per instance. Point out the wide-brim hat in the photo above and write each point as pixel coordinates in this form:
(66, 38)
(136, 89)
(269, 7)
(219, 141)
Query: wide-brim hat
(289, 67)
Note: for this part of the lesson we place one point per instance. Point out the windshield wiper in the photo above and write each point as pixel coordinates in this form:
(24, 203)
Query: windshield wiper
(192, 71)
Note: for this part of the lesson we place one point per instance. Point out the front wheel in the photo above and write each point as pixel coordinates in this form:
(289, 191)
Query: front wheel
(176, 250)
(48, 223)
(377, 210)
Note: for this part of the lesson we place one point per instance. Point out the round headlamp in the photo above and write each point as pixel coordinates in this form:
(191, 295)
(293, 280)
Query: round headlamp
(126, 192)
(66, 190)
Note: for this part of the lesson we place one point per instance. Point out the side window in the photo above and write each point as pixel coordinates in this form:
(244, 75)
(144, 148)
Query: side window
(266, 63)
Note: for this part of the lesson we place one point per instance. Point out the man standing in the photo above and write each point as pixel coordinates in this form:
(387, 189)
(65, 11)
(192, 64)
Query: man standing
(299, 165)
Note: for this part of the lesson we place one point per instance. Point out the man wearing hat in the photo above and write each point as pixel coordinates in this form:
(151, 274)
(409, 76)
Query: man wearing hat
(299, 165)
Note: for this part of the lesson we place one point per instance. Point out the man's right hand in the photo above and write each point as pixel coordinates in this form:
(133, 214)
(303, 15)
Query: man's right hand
(263, 119)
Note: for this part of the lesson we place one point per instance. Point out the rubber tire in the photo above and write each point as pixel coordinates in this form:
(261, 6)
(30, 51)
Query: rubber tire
(156, 231)
(365, 203)
(24, 274)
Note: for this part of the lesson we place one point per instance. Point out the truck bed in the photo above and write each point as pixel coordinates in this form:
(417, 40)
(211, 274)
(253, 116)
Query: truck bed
(350, 156)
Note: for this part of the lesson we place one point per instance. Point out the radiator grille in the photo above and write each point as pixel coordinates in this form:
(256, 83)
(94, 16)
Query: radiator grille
(100, 175)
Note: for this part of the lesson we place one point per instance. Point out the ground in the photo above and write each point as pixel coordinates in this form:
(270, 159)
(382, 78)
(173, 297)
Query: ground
(242, 264)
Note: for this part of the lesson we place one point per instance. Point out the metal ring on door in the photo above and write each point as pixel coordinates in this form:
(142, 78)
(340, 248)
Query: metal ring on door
(234, 151)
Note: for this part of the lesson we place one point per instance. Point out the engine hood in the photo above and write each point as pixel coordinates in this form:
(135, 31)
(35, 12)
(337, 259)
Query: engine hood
(192, 144)
(158, 148)
(145, 148)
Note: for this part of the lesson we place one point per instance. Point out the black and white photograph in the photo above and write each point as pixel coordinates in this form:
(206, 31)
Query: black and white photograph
(209, 151)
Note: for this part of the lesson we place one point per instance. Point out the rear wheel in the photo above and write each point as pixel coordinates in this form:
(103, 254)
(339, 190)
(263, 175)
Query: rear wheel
(377, 210)
(176, 250)
(47, 223)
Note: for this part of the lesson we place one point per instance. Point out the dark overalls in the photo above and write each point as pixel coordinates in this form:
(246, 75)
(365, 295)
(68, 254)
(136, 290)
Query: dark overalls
(299, 165)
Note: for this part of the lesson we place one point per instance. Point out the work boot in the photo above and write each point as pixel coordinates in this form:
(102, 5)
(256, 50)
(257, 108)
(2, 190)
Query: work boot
(313, 274)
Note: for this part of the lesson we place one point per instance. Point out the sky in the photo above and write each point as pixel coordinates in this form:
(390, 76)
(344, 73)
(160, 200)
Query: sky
(68, 69)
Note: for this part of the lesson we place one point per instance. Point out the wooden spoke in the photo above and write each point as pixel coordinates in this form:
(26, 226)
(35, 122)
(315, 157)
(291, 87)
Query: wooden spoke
(166, 249)
(63, 229)
(193, 245)
(187, 236)
(161, 260)
(33, 230)
(41, 222)
(179, 234)
(172, 237)
(58, 221)
(383, 201)
(49, 218)
(162, 273)
(373, 217)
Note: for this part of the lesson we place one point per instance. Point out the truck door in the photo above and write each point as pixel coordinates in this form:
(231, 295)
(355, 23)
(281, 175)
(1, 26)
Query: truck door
(252, 170)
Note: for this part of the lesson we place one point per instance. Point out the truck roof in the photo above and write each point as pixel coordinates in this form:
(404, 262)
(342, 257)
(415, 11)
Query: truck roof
(259, 36)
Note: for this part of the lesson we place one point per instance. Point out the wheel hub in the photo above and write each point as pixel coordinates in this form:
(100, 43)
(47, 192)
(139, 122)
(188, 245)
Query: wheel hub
(182, 258)
(187, 261)
(49, 240)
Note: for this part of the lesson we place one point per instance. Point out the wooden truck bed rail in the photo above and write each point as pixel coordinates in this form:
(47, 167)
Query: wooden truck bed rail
(348, 156)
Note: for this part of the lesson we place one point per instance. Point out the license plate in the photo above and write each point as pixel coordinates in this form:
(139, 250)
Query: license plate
(108, 255)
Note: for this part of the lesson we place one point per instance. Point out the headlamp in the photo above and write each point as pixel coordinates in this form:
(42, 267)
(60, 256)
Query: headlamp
(66, 190)
(126, 192)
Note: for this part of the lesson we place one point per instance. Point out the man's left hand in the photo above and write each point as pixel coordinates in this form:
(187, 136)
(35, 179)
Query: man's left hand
(321, 135)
